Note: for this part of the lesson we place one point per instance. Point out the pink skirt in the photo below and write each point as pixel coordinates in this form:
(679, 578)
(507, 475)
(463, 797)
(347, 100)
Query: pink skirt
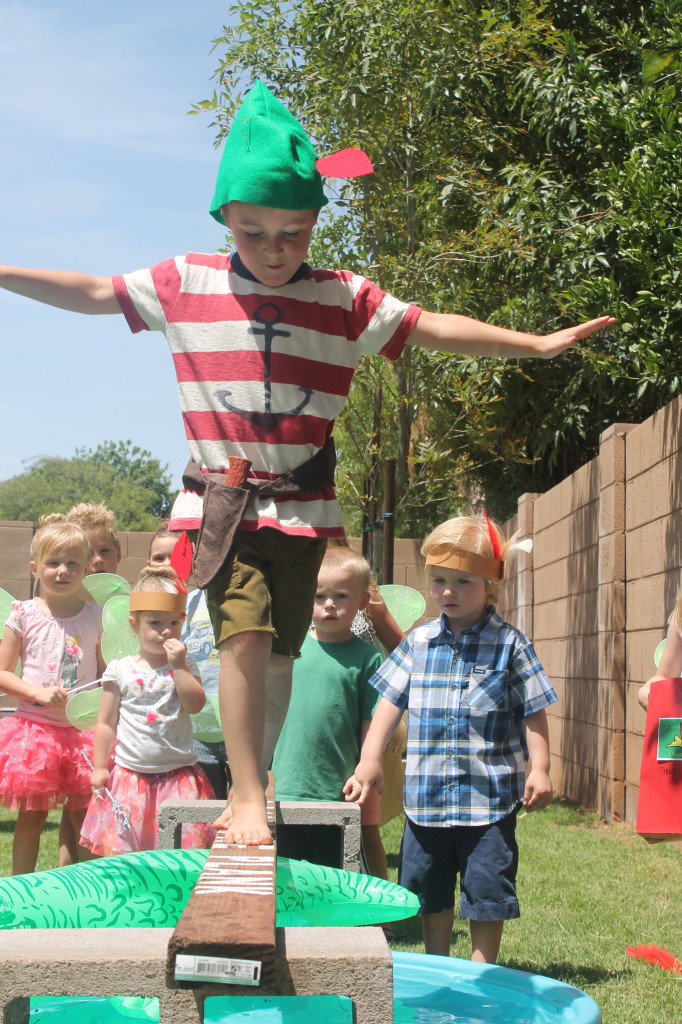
(41, 765)
(133, 824)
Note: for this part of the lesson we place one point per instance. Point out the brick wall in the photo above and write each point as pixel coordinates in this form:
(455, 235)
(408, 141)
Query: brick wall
(605, 574)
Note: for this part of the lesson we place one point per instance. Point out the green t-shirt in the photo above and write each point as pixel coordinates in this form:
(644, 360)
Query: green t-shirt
(319, 745)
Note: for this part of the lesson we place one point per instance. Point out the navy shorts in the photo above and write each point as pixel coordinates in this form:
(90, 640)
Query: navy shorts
(485, 857)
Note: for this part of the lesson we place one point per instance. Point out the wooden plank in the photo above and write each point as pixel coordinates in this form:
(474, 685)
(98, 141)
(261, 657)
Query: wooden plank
(226, 933)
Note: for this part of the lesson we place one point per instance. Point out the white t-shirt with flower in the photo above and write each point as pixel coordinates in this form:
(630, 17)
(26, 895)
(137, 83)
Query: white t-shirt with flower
(154, 732)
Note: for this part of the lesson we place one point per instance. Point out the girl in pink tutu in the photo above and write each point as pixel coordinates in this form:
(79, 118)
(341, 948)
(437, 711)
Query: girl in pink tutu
(57, 636)
(146, 706)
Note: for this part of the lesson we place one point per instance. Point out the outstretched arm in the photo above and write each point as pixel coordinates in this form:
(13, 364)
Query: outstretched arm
(80, 293)
(452, 333)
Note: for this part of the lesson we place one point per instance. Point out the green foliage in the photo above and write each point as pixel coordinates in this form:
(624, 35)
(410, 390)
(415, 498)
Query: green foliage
(528, 172)
(128, 479)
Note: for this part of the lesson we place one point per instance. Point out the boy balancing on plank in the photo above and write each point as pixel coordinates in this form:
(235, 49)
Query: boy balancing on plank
(265, 348)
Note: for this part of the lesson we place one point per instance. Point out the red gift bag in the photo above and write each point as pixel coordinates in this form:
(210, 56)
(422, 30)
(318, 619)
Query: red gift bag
(659, 812)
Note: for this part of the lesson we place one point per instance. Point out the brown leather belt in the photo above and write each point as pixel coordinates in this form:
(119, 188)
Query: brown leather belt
(225, 505)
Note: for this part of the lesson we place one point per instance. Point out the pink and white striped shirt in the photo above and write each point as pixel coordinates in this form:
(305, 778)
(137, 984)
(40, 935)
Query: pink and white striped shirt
(263, 373)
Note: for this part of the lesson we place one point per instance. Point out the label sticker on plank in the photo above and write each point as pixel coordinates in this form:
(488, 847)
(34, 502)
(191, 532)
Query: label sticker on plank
(217, 969)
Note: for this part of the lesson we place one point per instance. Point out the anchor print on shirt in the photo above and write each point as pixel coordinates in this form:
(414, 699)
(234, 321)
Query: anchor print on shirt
(268, 314)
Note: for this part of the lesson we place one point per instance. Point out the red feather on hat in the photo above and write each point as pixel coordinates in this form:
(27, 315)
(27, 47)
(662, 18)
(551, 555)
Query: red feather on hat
(345, 163)
(494, 539)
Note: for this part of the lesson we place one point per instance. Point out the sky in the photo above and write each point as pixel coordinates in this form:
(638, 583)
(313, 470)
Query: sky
(101, 171)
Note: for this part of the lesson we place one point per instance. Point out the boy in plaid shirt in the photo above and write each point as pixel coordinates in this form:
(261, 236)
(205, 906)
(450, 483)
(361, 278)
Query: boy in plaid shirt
(476, 696)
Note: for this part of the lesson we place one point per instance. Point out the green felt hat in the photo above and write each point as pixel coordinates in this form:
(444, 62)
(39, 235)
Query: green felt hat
(268, 159)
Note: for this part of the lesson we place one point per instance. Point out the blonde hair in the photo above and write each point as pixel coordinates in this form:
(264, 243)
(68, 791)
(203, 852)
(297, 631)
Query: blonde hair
(93, 518)
(340, 556)
(160, 578)
(53, 533)
(468, 533)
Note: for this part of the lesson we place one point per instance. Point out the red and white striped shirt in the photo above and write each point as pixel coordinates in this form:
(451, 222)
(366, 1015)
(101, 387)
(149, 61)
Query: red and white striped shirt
(263, 373)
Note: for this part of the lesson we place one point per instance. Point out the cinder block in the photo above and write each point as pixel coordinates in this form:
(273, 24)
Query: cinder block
(645, 553)
(585, 484)
(406, 551)
(343, 816)
(400, 574)
(525, 512)
(611, 460)
(633, 758)
(611, 613)
(15, 566)
(648, 496)
(545, 510)
(19, 589)
(415, 577)
(639, 654)
(646, 604)
(631, 798)
(611, 800)
(612, 755)
(634, 713)
(612, 508)
(130, 568)
(15, 538)
(612, 704)
(612, 656)
(354, 962)
(611, 558)
(661, 433)
(136, 544)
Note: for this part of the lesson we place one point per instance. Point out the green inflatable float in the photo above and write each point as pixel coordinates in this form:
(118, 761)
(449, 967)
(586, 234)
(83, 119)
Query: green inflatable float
(150, 890)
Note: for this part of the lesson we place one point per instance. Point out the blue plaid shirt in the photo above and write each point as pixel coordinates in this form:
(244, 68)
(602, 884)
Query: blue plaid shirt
(467, 697)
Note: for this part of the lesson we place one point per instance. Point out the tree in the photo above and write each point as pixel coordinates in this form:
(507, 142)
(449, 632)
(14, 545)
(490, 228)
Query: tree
(127, 479)
(528, 174)
(406, 81)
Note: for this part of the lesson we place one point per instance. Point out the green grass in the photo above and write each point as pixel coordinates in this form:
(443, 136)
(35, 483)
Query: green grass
(49, 841)
(587, 890)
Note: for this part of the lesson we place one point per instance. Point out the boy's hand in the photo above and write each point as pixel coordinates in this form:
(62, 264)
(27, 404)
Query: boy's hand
(550, 345)
(538, 792)
(175, 652)
(365, 778)
(100, 778)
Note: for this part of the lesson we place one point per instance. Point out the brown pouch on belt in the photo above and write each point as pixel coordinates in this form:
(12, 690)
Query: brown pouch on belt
(224, 509)
(225, 505)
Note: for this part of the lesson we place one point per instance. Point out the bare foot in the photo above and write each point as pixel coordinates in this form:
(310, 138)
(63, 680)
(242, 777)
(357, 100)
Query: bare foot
(245, 823)
(224, 819)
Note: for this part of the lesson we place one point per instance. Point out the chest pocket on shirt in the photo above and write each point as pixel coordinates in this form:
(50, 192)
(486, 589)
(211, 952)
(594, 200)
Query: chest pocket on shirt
(487, 692)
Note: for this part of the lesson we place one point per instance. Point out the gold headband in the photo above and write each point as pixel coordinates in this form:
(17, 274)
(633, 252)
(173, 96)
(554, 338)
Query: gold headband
(157, 601)
(456, 558)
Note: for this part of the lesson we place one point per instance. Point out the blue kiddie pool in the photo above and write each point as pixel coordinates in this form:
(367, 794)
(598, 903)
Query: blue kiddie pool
(461, 992)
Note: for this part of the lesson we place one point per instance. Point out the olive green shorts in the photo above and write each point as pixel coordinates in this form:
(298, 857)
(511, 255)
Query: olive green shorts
(267, 585)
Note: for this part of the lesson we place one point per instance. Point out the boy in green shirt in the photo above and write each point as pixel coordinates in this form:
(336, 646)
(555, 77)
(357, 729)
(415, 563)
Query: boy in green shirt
(331, 700)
